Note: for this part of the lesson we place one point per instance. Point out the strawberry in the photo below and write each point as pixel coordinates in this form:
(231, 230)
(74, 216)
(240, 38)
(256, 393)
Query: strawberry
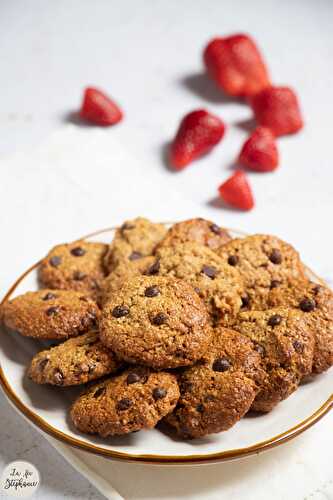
(98, 108)
(198, 132)
(236, 191)
(259, 151)
(236, 65)
(277, 108)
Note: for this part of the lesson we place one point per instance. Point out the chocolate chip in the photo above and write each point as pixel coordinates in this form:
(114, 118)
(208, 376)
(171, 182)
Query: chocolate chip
(159, 319)
(275, 284)
(58, 377)
(79, 276)
(221, 365)
(124, 404)
(275, 256)
(92, 367)
(307, 305)
(100, 391)
(135, 255)
(245, 301)
(152, 291)
(209, 398)
(260, 350)
(133, 378)
(52, 310)
(274, 320)
(127, 226)
(215, 228)
(120, 311)
(233, 260)
(200, 408)
(298, 346)
(78, 251)
(209, 271)
(49, 296)
(55, 261)
(42, 364)
(153, 269)
(159, 393)
(316, 289)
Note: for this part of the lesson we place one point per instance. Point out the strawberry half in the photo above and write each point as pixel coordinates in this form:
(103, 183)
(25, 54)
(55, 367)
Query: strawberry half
(198, 133)
(236, 191)
(259, 151)
(236, 65)
(277, 108)
(98, 108)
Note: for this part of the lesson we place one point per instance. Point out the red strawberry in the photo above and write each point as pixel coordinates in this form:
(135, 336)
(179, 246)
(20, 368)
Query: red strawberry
(277, 108)
(236, 191)
(198, 132)
(259, 151)
(236, 65)
(99, 108)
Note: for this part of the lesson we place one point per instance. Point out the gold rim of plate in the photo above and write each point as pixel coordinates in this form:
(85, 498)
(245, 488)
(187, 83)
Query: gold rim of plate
(152, 458)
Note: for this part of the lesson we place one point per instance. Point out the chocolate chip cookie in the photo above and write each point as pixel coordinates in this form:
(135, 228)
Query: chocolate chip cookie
(135, 239)
(220, 389)
(197, 230)
(286, 345)
(124, 271)
(316, 302)
(74, 266)
(264, 262)
(137, 399)
(156, 321)
(50, 314)
(217, 283)
(75, 361)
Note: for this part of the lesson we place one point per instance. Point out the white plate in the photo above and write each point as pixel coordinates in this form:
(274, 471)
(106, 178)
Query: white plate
(47, 407)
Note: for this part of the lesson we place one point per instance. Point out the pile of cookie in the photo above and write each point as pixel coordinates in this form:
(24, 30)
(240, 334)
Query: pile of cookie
(185, 325)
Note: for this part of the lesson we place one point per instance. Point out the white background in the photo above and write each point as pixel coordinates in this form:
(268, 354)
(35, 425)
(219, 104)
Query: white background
(147, 55)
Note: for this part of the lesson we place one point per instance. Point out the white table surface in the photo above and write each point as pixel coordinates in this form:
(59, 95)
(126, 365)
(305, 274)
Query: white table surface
(147, 54)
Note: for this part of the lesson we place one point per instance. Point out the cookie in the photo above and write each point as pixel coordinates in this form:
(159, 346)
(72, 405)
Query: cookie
(264, 262)
(197, 230)
(156, 321)
(137, 399)
(135, 239)
(50, 314)
(124, 271)
(74, 266)
(220, 389)
(217, 283)
(316, 302)
(286, 345)
(75, 361)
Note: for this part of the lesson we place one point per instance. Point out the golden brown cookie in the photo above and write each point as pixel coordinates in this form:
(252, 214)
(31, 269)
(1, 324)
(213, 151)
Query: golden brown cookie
(74, 266)
(197, 230)
(135, 239)
(264, 262)
(286, 345)
(124, 271)
(137, 399)
(316, 302)
(50, 314)
(156, 321)
(75, 361)
(220, 389)
(217, 283)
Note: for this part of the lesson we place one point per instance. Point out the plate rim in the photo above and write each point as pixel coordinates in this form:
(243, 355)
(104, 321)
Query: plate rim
(153, 459)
